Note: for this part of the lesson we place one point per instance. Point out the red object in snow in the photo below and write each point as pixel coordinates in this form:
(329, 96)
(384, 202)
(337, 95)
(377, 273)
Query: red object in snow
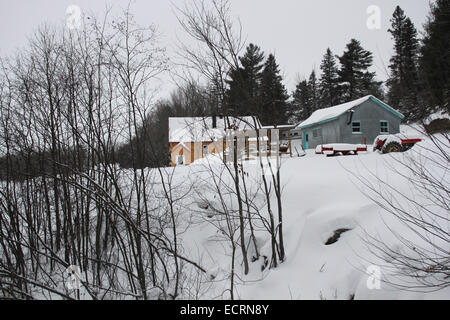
(394, 143)
(345, 149)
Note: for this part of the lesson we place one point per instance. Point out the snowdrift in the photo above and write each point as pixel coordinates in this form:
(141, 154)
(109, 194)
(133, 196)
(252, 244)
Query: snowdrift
(329, 221)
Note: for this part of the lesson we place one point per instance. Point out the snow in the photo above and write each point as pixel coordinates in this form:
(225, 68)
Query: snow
(441, 114)
(297, 148)
(282, 126)
(388, 138)
(333, 112)
(344, 146)
(211, 158)
(198, 129)
(319, 149)
(338, 147)
(321, 195)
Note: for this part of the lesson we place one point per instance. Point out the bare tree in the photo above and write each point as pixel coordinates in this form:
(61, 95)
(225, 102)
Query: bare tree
(68, 103)
(421, 261)
(219, 40)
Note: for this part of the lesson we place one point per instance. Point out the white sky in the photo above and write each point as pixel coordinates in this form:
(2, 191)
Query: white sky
(297, 31)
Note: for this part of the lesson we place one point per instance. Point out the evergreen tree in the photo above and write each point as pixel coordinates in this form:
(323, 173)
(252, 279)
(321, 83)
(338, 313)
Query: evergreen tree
(236, 95)
(273, 94)
(252, 63)
(314, 91)
(434, 61)
(328, 83)
(242, 97)
(301, 107)
(306, 99)
(355, 79)
(402, 83)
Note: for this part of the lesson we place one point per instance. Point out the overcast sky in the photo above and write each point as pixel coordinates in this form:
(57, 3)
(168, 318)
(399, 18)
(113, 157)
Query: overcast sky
(297, 31)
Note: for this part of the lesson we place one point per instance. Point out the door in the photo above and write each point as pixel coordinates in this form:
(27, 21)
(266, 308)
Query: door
(305, 140)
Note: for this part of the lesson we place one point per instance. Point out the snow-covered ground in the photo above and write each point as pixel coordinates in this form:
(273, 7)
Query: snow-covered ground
(330, 223)
(321, 195)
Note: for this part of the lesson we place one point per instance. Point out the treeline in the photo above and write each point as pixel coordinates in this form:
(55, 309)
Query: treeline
(190, 100)
(74, 104)
(418, 75)
(68, 102)
(73, 224)
(419, 71)
(349, 80)
(418, 83)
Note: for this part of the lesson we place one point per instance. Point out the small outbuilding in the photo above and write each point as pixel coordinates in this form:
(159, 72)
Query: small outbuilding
(355, 122)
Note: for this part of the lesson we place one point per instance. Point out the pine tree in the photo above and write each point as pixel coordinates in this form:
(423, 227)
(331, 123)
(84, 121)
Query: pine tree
(273, 94)
(242, 97)
(314, 91)
(355, 79)
(402, 83)
(301, 108)
(236, 96)
(306, 99)
(328, 83)
(434, 61)
(252, 63)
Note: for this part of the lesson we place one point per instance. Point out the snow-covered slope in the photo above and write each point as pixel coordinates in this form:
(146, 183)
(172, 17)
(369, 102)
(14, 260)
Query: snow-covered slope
(321, 195)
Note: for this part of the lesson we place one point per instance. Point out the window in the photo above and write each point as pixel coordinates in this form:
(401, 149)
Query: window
(384, 126)
(205, 150)
(317, 132)
(356, 127)
(180, 160)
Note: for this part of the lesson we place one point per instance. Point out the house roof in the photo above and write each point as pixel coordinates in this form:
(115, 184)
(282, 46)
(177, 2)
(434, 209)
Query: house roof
(332, 113)
(282, 126)
(198, 129)
(181, 145)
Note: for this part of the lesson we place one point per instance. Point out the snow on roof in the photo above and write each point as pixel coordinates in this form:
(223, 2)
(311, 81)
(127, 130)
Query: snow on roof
(198, 129)
(182, 145)
(281, 126)
(335, 111)
(332, 112)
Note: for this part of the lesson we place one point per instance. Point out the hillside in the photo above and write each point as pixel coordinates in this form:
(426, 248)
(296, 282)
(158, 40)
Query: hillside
(321, 195)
